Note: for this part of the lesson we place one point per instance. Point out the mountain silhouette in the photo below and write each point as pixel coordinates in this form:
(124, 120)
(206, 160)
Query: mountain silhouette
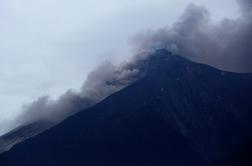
(179, 113)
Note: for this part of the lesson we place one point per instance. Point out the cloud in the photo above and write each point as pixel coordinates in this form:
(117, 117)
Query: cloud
(100, 83)
(246, 6)
(226, 45)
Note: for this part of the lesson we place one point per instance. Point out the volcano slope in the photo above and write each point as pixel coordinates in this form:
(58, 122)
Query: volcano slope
(179, 113)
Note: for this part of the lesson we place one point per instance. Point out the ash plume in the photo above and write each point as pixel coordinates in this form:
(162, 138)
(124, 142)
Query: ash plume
(226, 45)
(101, 82)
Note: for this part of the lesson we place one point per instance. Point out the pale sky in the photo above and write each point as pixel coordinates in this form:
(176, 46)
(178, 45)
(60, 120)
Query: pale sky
(49, 46)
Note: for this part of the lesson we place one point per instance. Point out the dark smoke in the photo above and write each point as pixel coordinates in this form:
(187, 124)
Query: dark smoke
(100, 83)
(246, 6)
(226, 45)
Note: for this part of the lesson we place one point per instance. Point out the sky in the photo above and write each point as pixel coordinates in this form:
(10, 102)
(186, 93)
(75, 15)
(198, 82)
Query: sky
(49, 46)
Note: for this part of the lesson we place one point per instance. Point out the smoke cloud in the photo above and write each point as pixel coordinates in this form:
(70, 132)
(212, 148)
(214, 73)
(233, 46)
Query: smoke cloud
(246, 6)
(100, 83)
(226, 45)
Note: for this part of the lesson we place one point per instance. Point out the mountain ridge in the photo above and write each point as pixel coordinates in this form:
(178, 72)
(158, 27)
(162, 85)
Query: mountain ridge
(188, 104)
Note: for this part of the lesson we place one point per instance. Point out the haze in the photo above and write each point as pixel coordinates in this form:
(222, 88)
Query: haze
(49, 46)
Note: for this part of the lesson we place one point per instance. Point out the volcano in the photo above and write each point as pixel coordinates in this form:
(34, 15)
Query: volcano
(179, 113)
